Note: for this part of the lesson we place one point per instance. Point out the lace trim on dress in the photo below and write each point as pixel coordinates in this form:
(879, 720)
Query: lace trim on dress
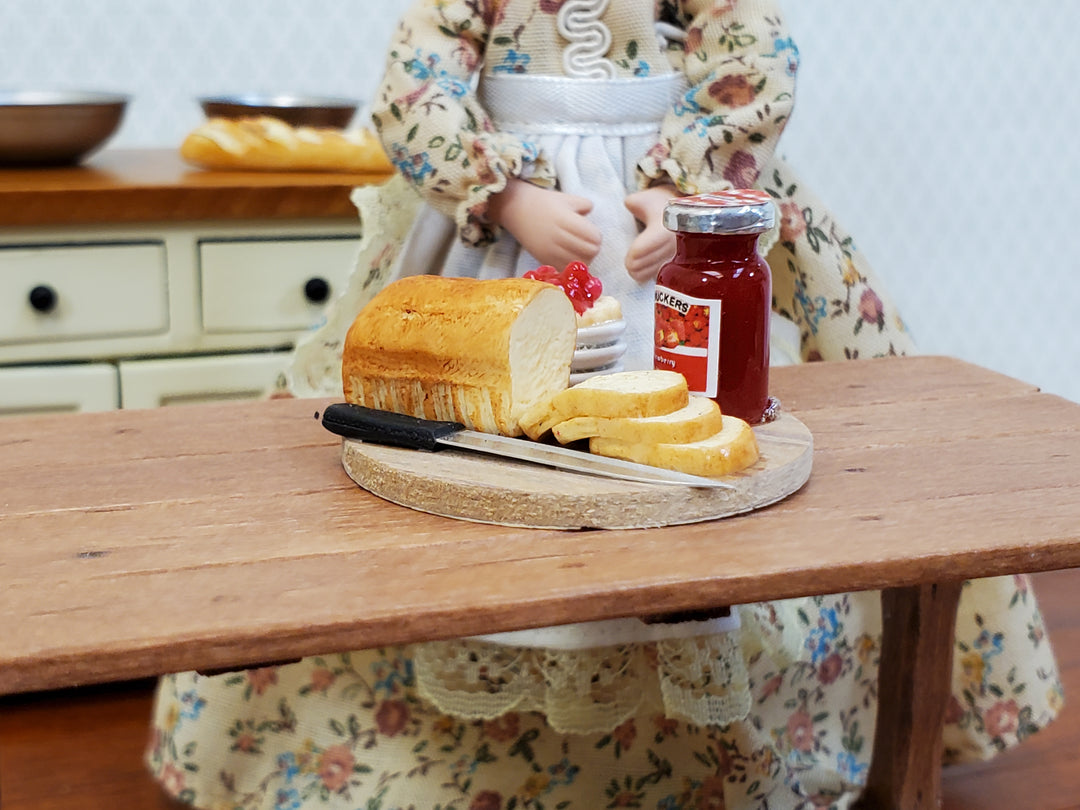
(585, 57)
(702, 680)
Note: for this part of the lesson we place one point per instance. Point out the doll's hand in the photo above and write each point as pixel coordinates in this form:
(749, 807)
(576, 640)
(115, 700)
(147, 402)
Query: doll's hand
(549, 224)
(655, 245)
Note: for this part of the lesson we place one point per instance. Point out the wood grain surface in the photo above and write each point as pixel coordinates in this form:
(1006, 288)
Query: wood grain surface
(95, 738)
(155, 185)
(485, 488)
(914, 687)
(210, 536)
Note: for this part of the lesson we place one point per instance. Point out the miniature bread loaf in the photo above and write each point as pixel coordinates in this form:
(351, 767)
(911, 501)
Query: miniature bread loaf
(476, 352)
(619, 394)
(700, 419)
(266, 143)
(734, 448)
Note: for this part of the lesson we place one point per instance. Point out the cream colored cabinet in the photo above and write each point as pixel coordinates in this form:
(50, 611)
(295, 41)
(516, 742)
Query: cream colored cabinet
(180, 380)
(257, 286)
(68, 292)
(158, 315)
(58, 389)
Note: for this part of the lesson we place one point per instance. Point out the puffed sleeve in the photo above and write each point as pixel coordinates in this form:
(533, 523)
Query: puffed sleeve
(431, 123)
(740, 65)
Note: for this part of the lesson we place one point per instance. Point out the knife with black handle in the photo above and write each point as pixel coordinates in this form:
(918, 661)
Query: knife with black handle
(400, 430)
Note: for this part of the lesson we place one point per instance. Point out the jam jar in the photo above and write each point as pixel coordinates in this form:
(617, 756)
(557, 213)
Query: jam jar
(714, 299)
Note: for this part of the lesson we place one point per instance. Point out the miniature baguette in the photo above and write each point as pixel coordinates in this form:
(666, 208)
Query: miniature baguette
(456, 349)
(733, 449)
(700, 419)
(269, 144)
(619, 394)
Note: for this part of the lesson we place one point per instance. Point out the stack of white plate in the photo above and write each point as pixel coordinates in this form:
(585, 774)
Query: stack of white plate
(599, 350)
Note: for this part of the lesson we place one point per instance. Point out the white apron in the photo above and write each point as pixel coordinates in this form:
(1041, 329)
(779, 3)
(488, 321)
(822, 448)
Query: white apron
(593, 132)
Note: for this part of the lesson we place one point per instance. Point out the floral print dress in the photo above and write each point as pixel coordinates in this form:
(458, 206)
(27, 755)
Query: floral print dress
(353, 730)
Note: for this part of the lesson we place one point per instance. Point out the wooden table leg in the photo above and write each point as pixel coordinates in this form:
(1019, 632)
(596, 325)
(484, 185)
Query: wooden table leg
(919, 626)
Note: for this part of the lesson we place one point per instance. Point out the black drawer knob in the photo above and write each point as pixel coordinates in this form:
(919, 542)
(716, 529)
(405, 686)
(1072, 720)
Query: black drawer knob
(43, 298)
(317, 290)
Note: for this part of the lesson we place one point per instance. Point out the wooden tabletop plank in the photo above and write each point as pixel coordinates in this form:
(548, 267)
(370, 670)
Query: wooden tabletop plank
(241, 525)
(930, 462)
(224, 614)
(208, 536)
(909, 388)
(106, 466)
(53, 442)
(911, 379)
(150, 185)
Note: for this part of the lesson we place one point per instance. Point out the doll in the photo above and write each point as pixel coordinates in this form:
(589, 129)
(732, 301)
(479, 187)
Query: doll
(585, 118)
(540, 131)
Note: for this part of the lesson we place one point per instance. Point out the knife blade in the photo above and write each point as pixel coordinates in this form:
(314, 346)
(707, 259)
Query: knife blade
(400, 430)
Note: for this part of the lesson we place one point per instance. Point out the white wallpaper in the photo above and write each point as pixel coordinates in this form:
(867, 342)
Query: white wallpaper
(166, 54)
(945, 136)
(942, 134)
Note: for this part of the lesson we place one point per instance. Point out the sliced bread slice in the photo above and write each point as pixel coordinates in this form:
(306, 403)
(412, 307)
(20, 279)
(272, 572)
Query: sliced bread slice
(734, 448)
(619, 394)
(700, 419)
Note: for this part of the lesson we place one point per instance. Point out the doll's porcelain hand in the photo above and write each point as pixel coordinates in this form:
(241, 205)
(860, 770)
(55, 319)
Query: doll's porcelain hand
(655, 245)
(549, 224)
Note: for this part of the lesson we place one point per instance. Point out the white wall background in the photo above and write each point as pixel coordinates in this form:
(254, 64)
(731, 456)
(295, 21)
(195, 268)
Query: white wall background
(943, 134)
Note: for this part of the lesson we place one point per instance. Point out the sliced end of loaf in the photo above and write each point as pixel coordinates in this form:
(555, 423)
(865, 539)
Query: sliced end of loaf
(541, 350)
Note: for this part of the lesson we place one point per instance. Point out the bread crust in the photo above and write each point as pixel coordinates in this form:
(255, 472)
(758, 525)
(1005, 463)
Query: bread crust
(464, 350)
(269, 144)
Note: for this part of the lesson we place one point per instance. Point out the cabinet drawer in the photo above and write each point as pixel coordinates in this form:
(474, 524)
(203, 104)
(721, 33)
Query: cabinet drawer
(62, 292)
(271, 285)
(56, 389)
(180, 380)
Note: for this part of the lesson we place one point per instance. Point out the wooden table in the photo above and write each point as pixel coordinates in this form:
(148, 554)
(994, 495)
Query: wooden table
(134, 543)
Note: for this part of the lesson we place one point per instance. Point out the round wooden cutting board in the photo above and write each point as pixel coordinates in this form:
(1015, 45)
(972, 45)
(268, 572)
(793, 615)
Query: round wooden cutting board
(488, 489)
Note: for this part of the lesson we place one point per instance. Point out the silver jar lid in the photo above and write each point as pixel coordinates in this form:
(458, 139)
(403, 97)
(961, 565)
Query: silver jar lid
(735, 211)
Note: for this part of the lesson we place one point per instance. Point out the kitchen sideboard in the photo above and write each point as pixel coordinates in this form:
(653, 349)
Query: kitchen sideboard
(134, 281)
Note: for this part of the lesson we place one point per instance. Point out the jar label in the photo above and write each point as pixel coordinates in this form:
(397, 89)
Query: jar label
(687, 339)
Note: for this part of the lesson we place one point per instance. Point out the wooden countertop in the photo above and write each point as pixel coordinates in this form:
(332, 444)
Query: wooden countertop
(155, 185)
(210, 536)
